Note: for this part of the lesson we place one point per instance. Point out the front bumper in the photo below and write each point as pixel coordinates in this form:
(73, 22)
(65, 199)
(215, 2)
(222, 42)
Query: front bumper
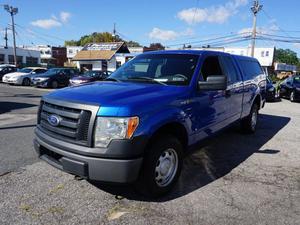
(116, 170)
(11, 81)
(39, 83)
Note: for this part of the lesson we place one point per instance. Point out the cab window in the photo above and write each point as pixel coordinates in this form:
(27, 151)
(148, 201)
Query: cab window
(211, 67)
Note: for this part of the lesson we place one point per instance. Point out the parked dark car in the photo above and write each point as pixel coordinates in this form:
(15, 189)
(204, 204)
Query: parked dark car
(90, 76)
(270, 91)
(290, 88)
(6, 68)
(54, 78)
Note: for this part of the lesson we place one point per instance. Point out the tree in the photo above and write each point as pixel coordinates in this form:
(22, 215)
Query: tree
(156, 46)
(286, 56)
(100, 37)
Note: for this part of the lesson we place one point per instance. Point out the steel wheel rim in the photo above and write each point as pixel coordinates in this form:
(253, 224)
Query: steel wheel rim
(166, 167)
(253, 119)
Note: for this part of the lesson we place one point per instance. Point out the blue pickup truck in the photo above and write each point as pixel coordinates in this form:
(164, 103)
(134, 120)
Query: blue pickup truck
(138, 124)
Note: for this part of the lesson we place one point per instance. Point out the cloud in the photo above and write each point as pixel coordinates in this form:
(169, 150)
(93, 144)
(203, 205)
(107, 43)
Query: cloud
(213, 14)
(65, 16)
(167, 35)
(46, 23)
(53, 21)
(270, 28)
(296, 45)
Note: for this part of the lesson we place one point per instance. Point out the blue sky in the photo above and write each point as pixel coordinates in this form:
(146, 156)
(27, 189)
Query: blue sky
(169, 21)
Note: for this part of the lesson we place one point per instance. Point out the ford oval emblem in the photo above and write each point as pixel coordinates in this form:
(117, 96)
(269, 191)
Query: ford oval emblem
(54, 120)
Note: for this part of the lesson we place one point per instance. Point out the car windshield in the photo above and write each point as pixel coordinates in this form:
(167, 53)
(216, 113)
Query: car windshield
(90, 74)
(51, 71)
(25, 70)
(297, 80)
(167, 69)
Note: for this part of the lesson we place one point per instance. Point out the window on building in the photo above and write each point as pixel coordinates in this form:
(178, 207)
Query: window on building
(2, 56)
(118, 64)
(242, 52)
(19, 60)
(11, 59)
(31, 60)
(267, 53)
(71, 51)
(262, 53)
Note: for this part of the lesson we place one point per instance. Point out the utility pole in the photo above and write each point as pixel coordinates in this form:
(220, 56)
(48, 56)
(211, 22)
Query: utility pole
(13, 11)
(255, 9)
(5, 37)
(114, 32)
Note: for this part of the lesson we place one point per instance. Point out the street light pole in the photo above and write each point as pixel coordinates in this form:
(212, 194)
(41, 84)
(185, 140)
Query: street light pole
(13, 11)
(255, 9)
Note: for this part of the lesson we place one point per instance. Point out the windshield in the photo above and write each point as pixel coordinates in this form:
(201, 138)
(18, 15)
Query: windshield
(297, 80)
(168, 69)
(90, 74)
(25, 70)
(51, 71)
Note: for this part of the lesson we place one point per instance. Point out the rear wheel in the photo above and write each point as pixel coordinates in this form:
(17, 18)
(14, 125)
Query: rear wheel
(292, 96)
(161, 168)
(54, 84)
(26, 82)
(249, 123)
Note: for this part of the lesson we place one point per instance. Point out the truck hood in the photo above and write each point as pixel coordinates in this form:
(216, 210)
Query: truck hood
(125, 98)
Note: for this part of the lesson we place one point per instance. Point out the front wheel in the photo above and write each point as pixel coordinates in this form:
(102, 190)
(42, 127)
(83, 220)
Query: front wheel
(249, 123)
(161, 168)
(54, 84)
(26, 82)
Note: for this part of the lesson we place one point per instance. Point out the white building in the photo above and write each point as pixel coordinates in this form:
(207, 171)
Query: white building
(24, 56)
(265, 56)
(72, 51)
(102, 56)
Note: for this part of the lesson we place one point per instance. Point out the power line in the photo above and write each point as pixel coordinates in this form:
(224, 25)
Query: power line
(211, 39)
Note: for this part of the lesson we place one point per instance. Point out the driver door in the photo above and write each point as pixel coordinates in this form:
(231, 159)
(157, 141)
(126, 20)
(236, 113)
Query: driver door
(209, 107)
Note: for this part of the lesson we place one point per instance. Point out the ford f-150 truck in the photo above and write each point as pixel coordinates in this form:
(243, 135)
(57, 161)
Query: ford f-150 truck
(137, 125)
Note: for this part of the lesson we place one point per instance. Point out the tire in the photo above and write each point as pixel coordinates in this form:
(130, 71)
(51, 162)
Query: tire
(292, 96)
(249, 123)
(54, 84)
(161, 167)
(26, 82)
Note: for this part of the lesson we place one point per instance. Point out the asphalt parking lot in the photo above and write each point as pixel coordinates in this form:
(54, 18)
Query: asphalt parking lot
(235, 179)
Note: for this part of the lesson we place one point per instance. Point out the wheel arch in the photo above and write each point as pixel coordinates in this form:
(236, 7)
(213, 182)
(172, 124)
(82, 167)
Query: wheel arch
(175, 129)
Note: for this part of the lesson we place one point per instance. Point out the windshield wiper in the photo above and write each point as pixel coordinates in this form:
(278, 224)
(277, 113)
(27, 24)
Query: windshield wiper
(148, 79)
(112, 79)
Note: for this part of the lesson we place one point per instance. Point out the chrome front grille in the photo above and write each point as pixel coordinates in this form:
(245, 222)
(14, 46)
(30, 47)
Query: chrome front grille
(75, 121)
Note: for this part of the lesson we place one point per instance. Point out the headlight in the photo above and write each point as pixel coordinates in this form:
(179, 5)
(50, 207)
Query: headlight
(43, 79)
(271, 89)
(109, 128)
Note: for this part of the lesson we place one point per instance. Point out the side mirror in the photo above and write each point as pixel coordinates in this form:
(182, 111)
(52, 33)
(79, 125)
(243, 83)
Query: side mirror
(213, 83)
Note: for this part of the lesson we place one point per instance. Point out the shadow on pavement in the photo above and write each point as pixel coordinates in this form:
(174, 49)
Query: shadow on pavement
(16, 127)
(219, 157)
(9, 106)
